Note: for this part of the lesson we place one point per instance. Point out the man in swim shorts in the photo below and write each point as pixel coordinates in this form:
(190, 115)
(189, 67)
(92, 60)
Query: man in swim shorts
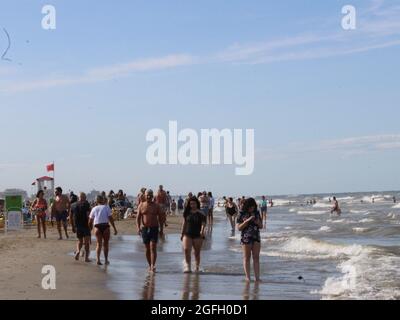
(150, 224)
(60, 210)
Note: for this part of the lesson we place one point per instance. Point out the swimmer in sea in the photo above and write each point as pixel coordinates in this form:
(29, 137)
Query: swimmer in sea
(336, 207)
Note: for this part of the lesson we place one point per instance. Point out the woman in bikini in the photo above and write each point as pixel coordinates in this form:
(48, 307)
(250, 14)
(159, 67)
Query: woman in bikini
(231, 212)
(39, 207)
(101, 218)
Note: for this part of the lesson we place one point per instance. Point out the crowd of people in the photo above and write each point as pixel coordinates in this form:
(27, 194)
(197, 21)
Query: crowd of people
(152, 210)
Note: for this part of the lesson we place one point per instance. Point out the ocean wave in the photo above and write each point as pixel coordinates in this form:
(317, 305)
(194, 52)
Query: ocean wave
(322, 205)
(397, 206)
(360, 230)
(367, 220)
(325, 229)
(359, 211)
(307, 248)
(311, 212)
(365, 276)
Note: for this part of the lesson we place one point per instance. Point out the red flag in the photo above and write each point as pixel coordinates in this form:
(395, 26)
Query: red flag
(50, 167)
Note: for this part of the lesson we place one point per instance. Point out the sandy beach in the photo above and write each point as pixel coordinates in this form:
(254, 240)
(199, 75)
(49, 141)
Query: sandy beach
(23, 256)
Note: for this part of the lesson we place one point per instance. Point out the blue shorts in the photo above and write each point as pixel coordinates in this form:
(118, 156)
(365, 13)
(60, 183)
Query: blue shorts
(264, 209)
(61, 216)
(150, 234)
(205, 211)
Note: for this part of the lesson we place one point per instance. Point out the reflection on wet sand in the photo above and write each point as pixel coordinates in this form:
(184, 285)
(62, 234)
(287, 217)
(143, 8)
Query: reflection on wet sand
(149, 287)
(191, 285)
(255, 292)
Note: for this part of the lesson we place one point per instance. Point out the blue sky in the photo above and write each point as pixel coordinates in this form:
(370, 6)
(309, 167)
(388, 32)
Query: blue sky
(323, 101)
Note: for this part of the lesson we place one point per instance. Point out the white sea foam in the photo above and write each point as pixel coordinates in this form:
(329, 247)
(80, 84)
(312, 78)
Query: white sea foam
(281, 202)
(360, 230)
(292, 210)
(397, 206)
(311, 212)
(345, 198)
(365, 276)
(367, 220)
(306, 248)
(325, 229)
(322, 205)
(359, 211)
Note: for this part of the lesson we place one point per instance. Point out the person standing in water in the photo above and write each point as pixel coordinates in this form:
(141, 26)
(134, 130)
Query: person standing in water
(204, 203)
(173, 207)
(249, 223)
(336, 207)
(150, 222)
(180, 205)
(100, 218)
(394, 199)
(264, 209)
(60, 210)
(232, 211)
(211, 209)
(79, 219)
(39, 206)
(162, 201)
(193, 233)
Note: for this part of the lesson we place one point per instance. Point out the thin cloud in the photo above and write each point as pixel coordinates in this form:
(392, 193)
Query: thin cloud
(104, 73)
(378, 27)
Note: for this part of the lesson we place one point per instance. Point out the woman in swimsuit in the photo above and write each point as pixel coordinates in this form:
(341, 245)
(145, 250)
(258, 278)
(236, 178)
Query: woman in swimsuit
(193, 229)
(250, 223)
(231, 212)
(39, 206)
(101, 218)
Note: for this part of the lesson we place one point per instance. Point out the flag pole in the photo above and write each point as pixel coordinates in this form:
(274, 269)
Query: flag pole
(54, 176)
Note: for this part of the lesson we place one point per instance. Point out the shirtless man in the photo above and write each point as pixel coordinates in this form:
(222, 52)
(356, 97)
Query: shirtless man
(60, 210)
(336, 207)
(150, 224)
(162, 201)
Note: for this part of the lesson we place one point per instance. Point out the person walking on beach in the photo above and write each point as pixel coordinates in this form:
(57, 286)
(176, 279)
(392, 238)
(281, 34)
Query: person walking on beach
(249, 223)
(180, 205)
(100, 218)
(204, 203)
(39, 207)
(232, 211)
(264, 209)
(162, 201)
(173, 207)
(211, 209)
(193, 233)
(150, 222)
(141, 197)
(169, 202)
(189, 196)
(336, 207)
(60, 210)
(79, 218)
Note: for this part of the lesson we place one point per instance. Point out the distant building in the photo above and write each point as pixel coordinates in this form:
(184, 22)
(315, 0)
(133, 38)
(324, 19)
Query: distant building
(91, 196)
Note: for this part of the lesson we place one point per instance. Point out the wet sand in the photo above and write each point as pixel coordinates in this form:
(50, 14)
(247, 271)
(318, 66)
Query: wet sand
(23, 257)
(221, 276)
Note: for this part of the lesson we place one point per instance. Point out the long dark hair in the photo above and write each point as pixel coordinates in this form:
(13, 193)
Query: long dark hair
(248, 203)
(39, 193)
(187, 209)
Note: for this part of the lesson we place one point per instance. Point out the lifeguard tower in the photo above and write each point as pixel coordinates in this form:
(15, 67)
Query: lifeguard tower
(47, 185)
